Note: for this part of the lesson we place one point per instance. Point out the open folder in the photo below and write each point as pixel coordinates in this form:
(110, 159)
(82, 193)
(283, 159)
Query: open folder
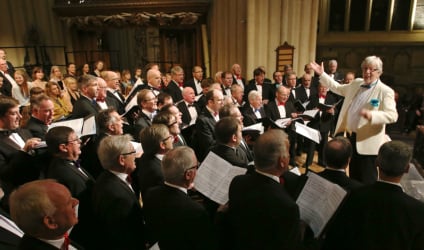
(81, 126)
(214, 177)
(318, 201)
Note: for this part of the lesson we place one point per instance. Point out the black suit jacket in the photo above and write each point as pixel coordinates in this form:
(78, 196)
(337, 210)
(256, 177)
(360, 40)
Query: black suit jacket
(31, 243)
(340, 178)
(142, 122)
(249, 117)
(170, 214)
(8, 240)
(190, 83)
(6, 89)
(236, 158)
(112, 101)
(204, 136)
(301, 93)
(242, 79)
(186, 117)
(120, 220)
(271, 110)
(378, 216)
(148, 173)
(323, 122)
(174, 91)
(89, 157)
(37, 128)
(84, 107)
(261, 214)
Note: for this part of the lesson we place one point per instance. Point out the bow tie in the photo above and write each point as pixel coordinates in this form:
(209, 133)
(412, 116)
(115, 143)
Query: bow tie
(190, 105)
(181, 84)
(238, 77)
(8, 132)
(176, 139)
(322, 96)
(257, 110)
(281, 104)
(100, 99)
(367, 86)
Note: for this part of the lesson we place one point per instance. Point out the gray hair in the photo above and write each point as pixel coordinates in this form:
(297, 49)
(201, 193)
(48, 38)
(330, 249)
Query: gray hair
(176, 162)
(269, 147)
(373, 61)
(111, 147)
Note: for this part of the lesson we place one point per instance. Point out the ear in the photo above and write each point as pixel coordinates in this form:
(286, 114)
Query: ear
(407, 168)
(234, 137)
(49, 222)
(62, 148)
(121, 160)
(162, 145)
(111, 127)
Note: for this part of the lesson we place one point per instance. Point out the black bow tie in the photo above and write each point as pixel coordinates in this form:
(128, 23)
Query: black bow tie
(190, 105)
(8, 132)
(367, 86)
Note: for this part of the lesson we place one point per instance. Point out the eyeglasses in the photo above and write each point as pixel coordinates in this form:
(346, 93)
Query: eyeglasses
(172, 124)
(167, 138)
(129, 153)
(369, 69)
(193, 167)
(153, 99)
(77, 140)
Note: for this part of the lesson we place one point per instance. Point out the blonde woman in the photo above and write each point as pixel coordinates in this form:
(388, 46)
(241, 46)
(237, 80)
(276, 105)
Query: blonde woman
(56, 76)
(60, 109)
(71, 94)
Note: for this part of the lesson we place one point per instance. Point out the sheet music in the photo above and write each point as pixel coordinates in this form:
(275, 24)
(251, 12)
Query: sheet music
(136, 84)
(214, 177)
(131, 104)
(89, 126)
(318, 201)
(308, 132)
(296, 171)
(256, 127)
(75, 124)
(310, 113)
(413, 183)
(282, 123)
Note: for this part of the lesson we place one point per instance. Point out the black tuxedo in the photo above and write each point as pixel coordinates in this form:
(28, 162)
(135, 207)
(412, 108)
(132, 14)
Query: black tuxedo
(142, 122)
(171, 214)
(242, 79)
(190, 83)
(89, 157)
(340, 178)
(338, 76)
(37, 128)
(261, 214)
(31, 243)
(6, 89)
(112, 101)
(174, 91)
(201, 102)
(182, 106)
(120, 222)
(249, 117)
(301, 93)
(252, 86)
(268, 91)
(237, 157)
(16, 166)
(148, 173)
(377, 216)
(8, 240)
(204, 136)
(84, 107)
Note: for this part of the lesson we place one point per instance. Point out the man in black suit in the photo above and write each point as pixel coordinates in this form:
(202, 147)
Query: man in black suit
(147, 102)
(196, 82)
(228, 137)
(253, 111)
(227, 82)
(237, 78)
(255, 84)
(109, 123)
(45, 211)
(174, 88)
(380, 215)
(42, 111)
(113, 90)
(10, 233)
(86, 105)
(10, 68)
(16, 149)
(261, 213)
(178, 222)
(188, 107)
(65, 146)
(170, 120)
(204, 135)
(237, 94)
(148, 173)
(322, 122)
(305, 91)
(281, 108)
(338, 153)
(6, 88)
(104, 100)
(332, 71)
(117, 210)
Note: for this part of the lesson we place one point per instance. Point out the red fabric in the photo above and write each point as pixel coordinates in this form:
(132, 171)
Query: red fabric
(322, 96)
(281, 104)
(67, 241)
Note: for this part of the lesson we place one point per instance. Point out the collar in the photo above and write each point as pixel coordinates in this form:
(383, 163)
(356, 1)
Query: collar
(56, 243)
(149, 114)
(122, 176)
(211, 111)
(336, 169)
(368, 86)
(175, 186)
(159, 156)
(275, 178)
(111, 90)
(392, 183)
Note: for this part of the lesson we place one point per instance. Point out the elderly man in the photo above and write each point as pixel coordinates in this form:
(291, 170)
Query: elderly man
(368, 106)
(42, 112)
(171, 121)
(178, 222)
(380, 215)
(204, 136)
(261, 213)
(188, 106)
(6, 88)
(115, 205)
(86, 105)
(112, 81)
(175, 87)
(104, 100)
(45, 210)
(253, 111)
